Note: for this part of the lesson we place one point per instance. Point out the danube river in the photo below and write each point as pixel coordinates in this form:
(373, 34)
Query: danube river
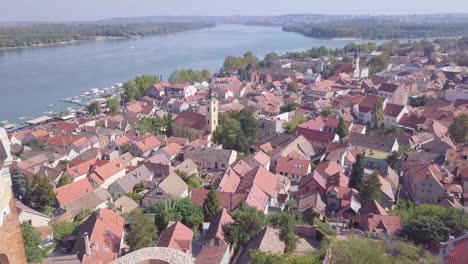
(33, 78)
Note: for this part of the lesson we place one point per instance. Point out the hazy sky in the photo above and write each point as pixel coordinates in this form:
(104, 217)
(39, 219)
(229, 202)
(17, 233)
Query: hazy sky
(73, 10)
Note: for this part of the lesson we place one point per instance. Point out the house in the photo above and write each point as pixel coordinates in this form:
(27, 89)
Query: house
(384, 145)
(81, 170)
(227, 181)
(177, 236)
(313, 183)
(157, 91)
(454, 250)
(72, 191)
(424, 182)
(311, 203)
(210, 158)
(259, 158)
(214, 236)
(393, 114)
(187, 166)
(108, 173)
(342, 199)
(267, 241)
(180, 91)
(125, 205)
(100, 238)
(143, 148)
(228, 200)
(214, 255)
(293, 168)
(125, 184)
(363, 110)
(92, 200)
(120, 144)
(26, 214)
(395, 93)
(260, 185)
(389, 225)
(328, 168)
(169, 188)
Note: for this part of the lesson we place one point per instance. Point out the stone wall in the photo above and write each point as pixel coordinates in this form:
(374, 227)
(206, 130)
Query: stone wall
(11, 242)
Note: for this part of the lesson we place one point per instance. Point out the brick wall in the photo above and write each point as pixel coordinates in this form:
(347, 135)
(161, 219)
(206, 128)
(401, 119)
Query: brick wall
(10, 231)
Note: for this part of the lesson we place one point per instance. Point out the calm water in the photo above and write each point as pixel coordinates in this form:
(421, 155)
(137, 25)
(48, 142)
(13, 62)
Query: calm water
(31, 79)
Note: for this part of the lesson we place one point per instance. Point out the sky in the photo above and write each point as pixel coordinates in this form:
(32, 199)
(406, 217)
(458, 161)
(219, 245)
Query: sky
(89, 10)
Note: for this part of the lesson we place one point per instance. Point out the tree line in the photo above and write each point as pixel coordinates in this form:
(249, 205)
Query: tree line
(30, 35)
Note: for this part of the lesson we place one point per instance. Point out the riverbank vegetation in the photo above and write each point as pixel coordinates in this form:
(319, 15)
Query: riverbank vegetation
(47, 34)
(380, 29)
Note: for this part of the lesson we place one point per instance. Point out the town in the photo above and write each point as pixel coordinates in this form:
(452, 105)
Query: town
(322, 156)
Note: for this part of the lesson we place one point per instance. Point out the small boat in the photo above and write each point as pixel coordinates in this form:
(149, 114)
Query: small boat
(4, 121)
(69, 108)
(50, 105)
(22, 118)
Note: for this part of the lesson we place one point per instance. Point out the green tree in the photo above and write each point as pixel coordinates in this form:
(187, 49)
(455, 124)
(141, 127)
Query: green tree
(248, 222)
(142, 231)
(289, 107)
(378, 64)
(377, 114)
(341, 130)
(114, 105)
(291, 125)
(148, 125)
(135, 89)
(270, 58)
(32, 243)
(371, 189)
(193, 181)
(64, 180)
(328, 111)
(292, 87)
(426, 230)
(356, 178)
(94, 108)
(177, 210)
(394, 160)
(458, 130)
(184, 76)
(21, 186)
(42, 194)
(211, 204)
(65, 229)
(285, 221)
(259, 257)
(169, 127)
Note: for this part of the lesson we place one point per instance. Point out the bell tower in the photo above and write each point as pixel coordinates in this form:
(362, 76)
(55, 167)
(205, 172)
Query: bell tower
(212, 113)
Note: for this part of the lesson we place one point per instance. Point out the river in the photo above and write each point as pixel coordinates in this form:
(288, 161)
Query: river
(33, 78)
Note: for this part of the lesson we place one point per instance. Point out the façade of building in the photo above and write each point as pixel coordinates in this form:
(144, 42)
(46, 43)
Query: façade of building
(11, 245)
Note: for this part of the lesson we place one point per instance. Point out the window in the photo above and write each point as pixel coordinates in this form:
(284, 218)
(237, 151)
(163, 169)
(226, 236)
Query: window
(208, 108)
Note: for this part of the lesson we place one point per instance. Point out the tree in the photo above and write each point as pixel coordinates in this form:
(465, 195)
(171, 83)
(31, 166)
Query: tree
(371, 189)
(259, 257)
(270, 58)
(32, 243)
(426, 230)
(42, 194)
(285, 222)
(193, 181)
(341, 130)
(458, 130)
(378, 64)
(394, 160)
(177, 210)
(289, 107)
(169, 128)
(291, 125)
(292, 87)
(236, 130)
(377, 114)
(211, 204)
(184, 76)
(94, 108)
(147, 125)
(114, 105)
(21, 186)
(135, 89)
(142, 231)
(64, 180)
(328, 112)
(65, 229)
(357, 174)
(248, 222)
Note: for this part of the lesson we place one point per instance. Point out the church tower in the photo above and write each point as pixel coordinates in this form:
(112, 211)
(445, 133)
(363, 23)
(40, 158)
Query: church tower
(212, 113)
(356, 62)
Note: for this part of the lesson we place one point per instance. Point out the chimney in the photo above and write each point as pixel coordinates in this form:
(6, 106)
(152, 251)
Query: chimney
(45, 172)
(87, 246)
(121, 208)
(105, 123)
(230, 202)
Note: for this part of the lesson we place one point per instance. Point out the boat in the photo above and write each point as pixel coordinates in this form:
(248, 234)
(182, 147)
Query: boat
(22, 118)
(4, 121)
(50, 105)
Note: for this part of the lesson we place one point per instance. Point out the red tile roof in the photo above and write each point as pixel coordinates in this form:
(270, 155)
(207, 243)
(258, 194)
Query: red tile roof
(190, 119)
(393, 110)
(328, 168)
(177, 236)
(108, 170)
(455, 252)
(293, 166)
(230, 201)
(388, 87)
(217, 225)
(149, 143)
(261, 177)
(212, 254)
(372, 207)
(72, 191)
(104, 228)
(387, 224)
